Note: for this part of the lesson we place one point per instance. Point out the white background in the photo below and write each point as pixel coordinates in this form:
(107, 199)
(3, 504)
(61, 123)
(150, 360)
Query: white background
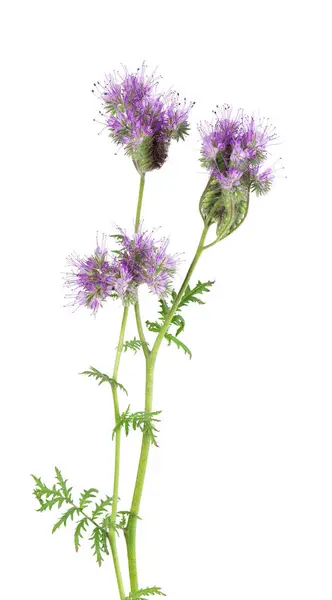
(237, 503)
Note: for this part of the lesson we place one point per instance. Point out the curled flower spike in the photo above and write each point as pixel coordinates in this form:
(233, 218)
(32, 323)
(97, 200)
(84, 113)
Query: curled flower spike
(234, 148)
(234, 151)
(141, 118)
(140, 260)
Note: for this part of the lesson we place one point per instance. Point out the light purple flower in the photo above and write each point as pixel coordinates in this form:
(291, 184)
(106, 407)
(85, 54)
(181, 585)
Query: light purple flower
(91, 278)
(230, 179)
(140, 260)
(234, 149)
(142, 118)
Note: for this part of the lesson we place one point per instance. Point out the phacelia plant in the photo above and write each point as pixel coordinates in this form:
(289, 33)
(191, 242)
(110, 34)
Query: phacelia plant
(143, 119)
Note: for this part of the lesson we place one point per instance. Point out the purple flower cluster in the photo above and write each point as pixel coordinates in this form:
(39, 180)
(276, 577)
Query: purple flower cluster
(234, 149)
(141, 118)
(140, 259)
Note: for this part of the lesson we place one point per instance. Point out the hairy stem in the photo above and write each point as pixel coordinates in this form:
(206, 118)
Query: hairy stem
(137, 307)
(143, 460)
(115, 495)
(139, 202)
(140, 329)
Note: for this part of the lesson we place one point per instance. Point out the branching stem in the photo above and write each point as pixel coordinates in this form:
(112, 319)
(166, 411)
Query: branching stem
(143, 460)
(115, 495)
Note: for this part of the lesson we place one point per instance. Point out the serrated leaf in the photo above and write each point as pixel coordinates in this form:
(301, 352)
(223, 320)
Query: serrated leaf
(142, 420)
(190, 294)
(179, 321)
(164, 308)
(144, 593)
(69, 514)
(134, 345)
(103, 378)
(87, 497)
(171, 338)
(79, 532)
(101, 507)
(153, 326)
(97, 545)
(63, 484)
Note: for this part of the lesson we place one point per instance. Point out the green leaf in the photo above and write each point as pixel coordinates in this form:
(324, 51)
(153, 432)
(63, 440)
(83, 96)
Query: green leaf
(153, 326)
(101, 507)
(164, 308)
(98, 539)
(87, 497)
(144, 593)
(48, 497)
(63, 484)
(102, 378)
(179, 321)
(171, 338)
(79, 532)
(64, 518)
(134, 345)
(143, 420)
(190, 294)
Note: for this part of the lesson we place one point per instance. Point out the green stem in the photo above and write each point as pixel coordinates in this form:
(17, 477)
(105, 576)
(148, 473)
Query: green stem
(137, 307)
(139, 202)
(140, 329)
(115, 495)
(150, 367)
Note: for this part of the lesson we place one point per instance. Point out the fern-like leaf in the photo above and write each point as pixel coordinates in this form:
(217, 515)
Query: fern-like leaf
(144, 593)
(64, 518)
(142, 420)
(98, 544)
(101, 507)
(63, 484)
(102, 378)
(47, 497)
(190, 294)
(87, 497)
(172, 339)
(81, 528)
(179, 321)
(153, 326)
(134, 345)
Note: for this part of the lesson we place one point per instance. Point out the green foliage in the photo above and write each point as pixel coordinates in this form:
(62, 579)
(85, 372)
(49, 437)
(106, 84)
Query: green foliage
(142, 420)
(134, 345)
(172, 339)
(144, 593)
(191, 295)
(60, 494)
(87, 497)
(81, 528)
(70, 513)
(102, 378)
(99, 544)
(101, 507)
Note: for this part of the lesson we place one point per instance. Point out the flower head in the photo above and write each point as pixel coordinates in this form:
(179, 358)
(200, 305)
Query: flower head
(140, 260)
(91, 278)
(142, 118)
(234, 149)
(148, 261)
